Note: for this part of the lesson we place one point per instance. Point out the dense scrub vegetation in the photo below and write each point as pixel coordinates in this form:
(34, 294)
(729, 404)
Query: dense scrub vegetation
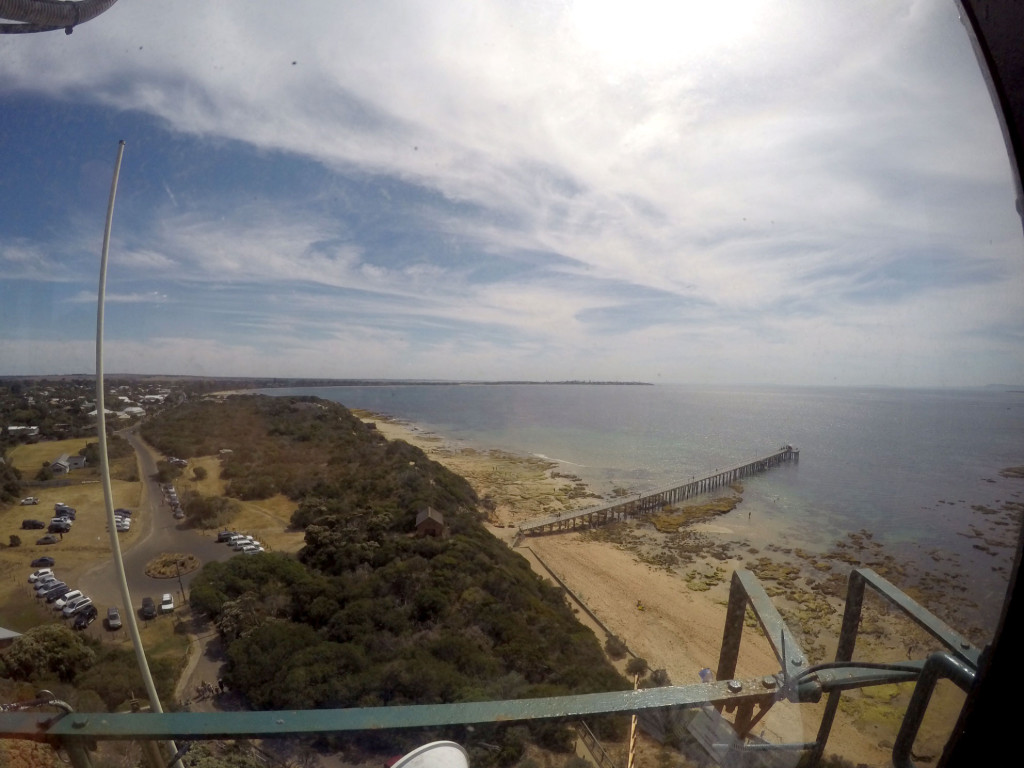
(369, 614)
(93, 676)
(309, 449)
(10, 481)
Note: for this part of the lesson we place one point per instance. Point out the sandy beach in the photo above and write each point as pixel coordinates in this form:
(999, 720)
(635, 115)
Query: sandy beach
(681, 581)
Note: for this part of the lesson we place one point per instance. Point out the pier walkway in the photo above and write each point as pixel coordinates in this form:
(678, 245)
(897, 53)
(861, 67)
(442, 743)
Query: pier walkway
(652, 501)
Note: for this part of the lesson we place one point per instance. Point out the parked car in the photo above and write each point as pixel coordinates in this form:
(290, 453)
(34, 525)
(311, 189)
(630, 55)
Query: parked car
(76, 605)
(63, 510)
(59, 526)
(243, 542)
(50, 588)
(56, 594)
(59, 603)
(30, 524)
(113, 618)
(122, 512)
(166, 603)
(224, 536)
(37, 575)
(43, 562)
(123, 525)
(48, 539)
(29, 500)
(148, 608)
(44, 584)
(41, 583)
(252, 549)
(85, 617)
(179, 514)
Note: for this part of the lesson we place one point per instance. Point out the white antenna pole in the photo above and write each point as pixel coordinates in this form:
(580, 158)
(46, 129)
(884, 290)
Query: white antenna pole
(108, 496)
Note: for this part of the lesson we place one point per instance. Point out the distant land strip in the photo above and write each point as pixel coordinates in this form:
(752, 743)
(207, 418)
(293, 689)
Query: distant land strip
(241, 382)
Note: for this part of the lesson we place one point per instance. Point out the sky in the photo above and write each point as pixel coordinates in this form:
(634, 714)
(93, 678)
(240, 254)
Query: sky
(675, 192)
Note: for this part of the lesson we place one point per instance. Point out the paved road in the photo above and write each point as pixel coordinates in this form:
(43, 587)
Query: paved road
(160, 533)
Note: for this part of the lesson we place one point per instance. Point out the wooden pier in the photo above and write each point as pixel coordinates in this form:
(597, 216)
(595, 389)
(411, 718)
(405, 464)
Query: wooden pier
(653, 501)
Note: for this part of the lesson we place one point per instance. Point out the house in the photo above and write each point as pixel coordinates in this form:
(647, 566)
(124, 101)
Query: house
(65, 463)
(430, 522)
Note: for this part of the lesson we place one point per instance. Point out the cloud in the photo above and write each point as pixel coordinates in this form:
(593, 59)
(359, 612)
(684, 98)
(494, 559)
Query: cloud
(470, 187)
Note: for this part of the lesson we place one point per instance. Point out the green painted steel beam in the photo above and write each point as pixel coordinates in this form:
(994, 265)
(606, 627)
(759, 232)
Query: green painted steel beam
(228, 725)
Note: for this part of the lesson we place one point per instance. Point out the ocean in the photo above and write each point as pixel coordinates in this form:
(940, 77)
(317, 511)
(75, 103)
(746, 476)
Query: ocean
(916, 468)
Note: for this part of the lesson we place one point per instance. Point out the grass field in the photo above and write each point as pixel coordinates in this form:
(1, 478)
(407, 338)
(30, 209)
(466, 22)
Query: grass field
(266, 519)
(84, 544)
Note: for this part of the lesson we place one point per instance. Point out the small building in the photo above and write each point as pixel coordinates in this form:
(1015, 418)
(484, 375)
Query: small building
(65, 463)
(430, 522)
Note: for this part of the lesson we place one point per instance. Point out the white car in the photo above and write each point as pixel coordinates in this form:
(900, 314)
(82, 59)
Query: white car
(70, 609)
(166, 603)
(122, 525)
(29, 500)
(245, 541)
(252, 549)
(60, 603)
(37, 575)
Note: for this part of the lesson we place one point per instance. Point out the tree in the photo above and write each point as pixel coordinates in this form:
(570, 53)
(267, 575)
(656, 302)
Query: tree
(636, 666)
(46, 652)
(15, 540)
(199, 473)
(614, 647)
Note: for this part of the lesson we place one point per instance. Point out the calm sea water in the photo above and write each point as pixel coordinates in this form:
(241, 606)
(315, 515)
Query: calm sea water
(907, 465)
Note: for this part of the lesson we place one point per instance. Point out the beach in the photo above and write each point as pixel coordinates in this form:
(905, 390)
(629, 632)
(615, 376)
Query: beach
(664, 595)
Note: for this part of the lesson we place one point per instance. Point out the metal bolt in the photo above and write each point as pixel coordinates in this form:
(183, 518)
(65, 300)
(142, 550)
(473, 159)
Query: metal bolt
(80, 722)
(796, 661)
(768, 682)
(735, 686)
(964, 644)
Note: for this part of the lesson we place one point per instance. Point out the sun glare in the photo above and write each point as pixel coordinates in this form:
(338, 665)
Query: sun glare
(650, 34)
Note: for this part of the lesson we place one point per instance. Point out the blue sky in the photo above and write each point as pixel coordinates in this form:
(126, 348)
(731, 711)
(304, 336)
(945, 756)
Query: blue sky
(749, 192)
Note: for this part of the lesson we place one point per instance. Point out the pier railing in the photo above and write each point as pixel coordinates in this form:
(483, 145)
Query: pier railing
(652, 501)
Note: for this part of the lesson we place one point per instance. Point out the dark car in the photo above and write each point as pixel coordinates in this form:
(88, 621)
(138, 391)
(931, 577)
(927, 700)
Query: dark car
(148, 608)
(63, 510)
(57, 594)
(59, 527)
(85, 617)
(48, 539)
(30, 524)
(121, 511)
(51, 588)
(225, 535)
(43, 562)
(113, 618)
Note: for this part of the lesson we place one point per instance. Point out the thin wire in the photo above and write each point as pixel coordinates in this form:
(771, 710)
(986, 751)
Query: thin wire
(108, 496)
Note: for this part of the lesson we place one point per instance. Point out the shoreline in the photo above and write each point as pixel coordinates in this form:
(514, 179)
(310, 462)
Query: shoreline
(682, 580)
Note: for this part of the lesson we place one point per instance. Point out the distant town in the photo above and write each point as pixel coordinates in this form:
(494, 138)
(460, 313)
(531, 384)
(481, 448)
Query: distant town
(36, 408)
